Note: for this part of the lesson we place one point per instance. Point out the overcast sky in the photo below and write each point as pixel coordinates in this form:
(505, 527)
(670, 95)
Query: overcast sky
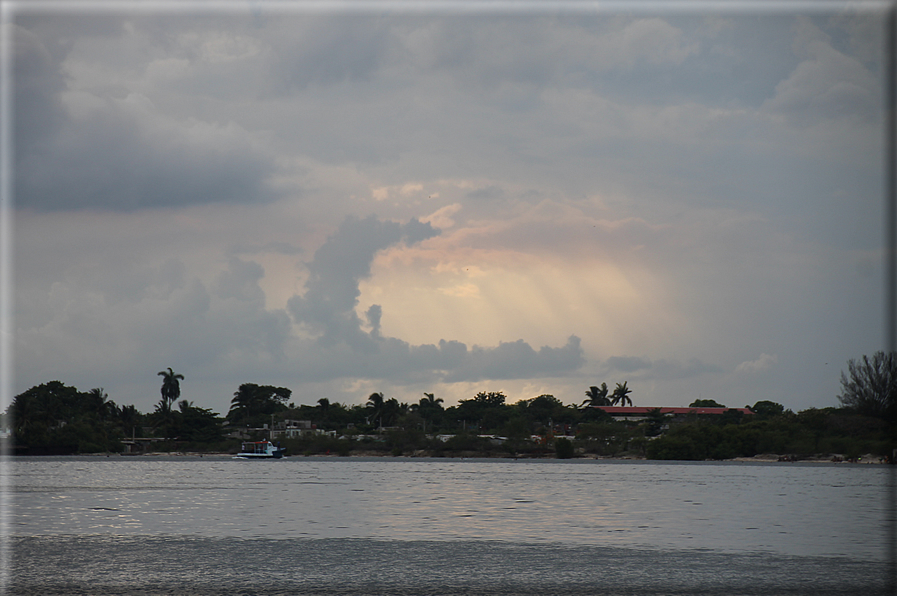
(452, 202)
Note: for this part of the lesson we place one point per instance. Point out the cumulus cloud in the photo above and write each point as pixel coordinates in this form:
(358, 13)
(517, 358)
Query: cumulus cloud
(764, 362)
(826, 84)
(327, 308)
(327, 311)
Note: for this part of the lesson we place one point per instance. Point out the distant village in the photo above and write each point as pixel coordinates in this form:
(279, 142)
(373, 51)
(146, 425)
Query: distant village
(56, 419)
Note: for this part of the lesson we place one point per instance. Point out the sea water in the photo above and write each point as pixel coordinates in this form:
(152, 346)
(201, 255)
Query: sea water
(327, 525)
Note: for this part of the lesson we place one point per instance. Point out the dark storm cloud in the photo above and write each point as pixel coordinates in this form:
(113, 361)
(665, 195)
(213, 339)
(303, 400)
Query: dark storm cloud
(343, 348)
(226, 322)
(327, 308)
(373, 315)
(113, 149)
(448, 362)
(114, 159)
(518, 360)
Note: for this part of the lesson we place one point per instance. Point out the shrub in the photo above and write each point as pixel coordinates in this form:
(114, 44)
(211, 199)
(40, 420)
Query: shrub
(563, 448)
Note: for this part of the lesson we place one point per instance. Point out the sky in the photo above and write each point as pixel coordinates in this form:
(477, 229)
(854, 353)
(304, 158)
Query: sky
(348, 198)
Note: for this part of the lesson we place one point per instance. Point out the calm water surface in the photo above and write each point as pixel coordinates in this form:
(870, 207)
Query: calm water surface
(147, 525)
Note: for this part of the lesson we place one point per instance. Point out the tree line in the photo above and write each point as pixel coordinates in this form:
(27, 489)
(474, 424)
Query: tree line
(55, 418)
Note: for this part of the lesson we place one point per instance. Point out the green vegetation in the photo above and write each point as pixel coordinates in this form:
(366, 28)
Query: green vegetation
(705, 403)
(54, 418)
(254, 405)
(810, 432)
(870, 385)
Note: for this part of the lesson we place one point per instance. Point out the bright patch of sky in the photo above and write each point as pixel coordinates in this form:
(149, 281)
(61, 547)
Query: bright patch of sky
(343, 203)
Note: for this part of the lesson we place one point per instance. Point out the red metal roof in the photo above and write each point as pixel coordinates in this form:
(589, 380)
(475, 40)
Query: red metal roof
(635, 410)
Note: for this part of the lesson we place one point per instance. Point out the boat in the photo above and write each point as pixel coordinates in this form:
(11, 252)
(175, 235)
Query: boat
(260, 450)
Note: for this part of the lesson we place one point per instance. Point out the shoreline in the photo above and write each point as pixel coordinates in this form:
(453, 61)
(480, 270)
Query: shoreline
(830, 458)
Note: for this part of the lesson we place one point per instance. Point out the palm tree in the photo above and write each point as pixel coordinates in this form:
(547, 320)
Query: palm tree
(171, 388)
(171, 391)
(253, 405)
(242, 406)
(324, 409)
(129, 418)
(596, 396)
(428, 406)
(620, 395)
(375, 401)
(100, 404)
(391, 411)
(430, 401)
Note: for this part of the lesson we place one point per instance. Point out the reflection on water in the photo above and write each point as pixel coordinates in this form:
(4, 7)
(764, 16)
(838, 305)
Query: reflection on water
(790, 509)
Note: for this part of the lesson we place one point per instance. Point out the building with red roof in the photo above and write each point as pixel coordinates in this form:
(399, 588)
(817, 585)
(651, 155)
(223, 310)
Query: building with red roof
(641, 412)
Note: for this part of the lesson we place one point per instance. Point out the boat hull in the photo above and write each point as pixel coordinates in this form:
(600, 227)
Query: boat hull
(277, 455)
(260, 450)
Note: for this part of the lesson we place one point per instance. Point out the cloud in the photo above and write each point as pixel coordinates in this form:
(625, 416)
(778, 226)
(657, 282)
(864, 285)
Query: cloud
(487, 51)
(486, 192)
(442, 217)
(105, 320)
(123, 154)
(373, 315)
(764, 362)
(327, 307)
(38, 85)
(327, 51)
(449, 361)
(826, 84)
(673, 369)
(327, 311)
(240, 281)
(628, 363)
(662, 368)
(594, 175)
(517, 360)
(112, 147)
(652, 40)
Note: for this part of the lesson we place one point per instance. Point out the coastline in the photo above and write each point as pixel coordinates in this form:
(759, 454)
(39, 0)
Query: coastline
(830, 458)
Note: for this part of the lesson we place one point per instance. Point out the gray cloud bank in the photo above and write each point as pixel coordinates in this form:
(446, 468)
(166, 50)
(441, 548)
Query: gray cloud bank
(713, 179)
(112, 147)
